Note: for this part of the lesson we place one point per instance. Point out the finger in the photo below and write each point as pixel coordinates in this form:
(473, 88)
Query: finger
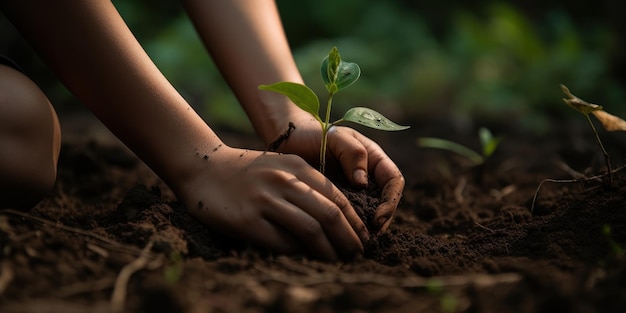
(351, 154)
(383, 217)
(255, 230)
(330, 192)
(272, 237)
(387, 175)
(390, 197)
(332, 219)
(303, 226)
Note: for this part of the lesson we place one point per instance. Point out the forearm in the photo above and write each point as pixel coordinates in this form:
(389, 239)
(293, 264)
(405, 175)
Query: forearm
(89, 47)
(247, 41)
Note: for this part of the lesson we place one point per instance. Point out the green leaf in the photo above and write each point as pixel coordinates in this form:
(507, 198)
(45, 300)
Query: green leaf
(438, 143)
(328, 69)
(299, 94)
(347, 74)
(330, 65)
(370, 118)
(488, 142)
(338, 74)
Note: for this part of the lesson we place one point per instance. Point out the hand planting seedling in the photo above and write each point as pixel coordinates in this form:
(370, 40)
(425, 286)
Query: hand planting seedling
(488, 142)
(337, 75)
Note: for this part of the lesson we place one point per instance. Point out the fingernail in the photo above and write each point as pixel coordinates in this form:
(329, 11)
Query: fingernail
(360, 176)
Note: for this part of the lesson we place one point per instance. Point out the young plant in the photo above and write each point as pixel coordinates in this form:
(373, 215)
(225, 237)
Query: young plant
(337, 75)
(616, 248)
(608, 121)
(488, 143)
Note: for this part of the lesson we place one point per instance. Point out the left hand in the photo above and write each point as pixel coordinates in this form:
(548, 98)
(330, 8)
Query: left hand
(358, 156)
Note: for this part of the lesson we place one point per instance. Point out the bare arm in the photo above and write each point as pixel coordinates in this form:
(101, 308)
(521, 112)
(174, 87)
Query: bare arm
(89, 47)
(247, 40)
(275, 201)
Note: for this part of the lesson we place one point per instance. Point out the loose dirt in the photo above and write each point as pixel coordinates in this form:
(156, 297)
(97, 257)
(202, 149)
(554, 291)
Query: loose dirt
(463, 240)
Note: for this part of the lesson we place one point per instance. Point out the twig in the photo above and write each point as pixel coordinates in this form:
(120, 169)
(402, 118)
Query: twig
(274, 145)
(458, 190)
(118, 297)
(499, 194)
(6, 276)
(549, 180)
(597, 178)
(570, 171)
(111, 243)
(482, 280)
(606, 154)
(85, 287)
(559, 181)
(484, 227)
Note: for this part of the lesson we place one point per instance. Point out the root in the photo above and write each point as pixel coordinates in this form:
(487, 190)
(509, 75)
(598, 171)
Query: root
(118, 297)
(597, 178)
(85, 287)
(484, 227)
(145, 259)
(459, 189)
(111, 244)
(549, 180)
(6, 276)
(480, 280)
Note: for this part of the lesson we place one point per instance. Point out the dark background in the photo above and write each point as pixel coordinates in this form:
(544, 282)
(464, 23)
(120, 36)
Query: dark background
(475, 61)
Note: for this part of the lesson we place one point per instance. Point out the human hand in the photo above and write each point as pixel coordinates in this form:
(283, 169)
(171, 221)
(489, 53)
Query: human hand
(274, 201)
(358, 156)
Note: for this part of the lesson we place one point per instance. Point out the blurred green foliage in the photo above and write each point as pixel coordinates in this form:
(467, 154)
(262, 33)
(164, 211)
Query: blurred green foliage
(496, 65)
(487, 60)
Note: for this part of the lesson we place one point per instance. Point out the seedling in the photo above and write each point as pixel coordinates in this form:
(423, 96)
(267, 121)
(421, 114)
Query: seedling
(174, 272)
(616, 249)
(337, 75)
(488, 143)
(609, 123)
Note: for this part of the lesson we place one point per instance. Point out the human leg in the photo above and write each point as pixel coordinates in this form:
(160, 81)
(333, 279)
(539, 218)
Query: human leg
(30, 139)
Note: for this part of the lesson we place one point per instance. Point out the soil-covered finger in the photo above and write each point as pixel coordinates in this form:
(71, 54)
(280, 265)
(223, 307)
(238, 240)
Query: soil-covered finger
(392, 191)
(274, 238)
(301, 225)
(341, 227)
(257, 231)
(330, 192)
(390, 197)
(383, 217)
(351, 154)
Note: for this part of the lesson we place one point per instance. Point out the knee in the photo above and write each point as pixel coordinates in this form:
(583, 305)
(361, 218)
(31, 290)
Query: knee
(29, 141)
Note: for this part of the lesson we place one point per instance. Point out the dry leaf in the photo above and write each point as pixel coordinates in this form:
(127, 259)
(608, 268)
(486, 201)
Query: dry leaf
(610, 122)
(578, 104)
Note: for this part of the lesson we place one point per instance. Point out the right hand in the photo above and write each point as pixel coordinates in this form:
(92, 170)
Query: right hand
(276, 201)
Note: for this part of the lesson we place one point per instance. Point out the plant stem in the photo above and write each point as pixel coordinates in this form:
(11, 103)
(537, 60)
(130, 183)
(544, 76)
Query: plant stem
(325, 129)
(606, 155)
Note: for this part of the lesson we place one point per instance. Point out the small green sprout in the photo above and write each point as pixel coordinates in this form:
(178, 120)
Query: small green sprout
(173, 272)
(608, 121)
(447, 301)
(337, 75)
(617, 250)
(488, 143)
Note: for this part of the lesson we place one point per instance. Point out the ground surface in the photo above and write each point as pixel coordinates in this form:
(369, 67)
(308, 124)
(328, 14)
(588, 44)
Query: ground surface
(463, 239)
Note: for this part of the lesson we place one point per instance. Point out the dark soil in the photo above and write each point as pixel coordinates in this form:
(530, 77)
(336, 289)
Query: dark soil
(463, 240)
